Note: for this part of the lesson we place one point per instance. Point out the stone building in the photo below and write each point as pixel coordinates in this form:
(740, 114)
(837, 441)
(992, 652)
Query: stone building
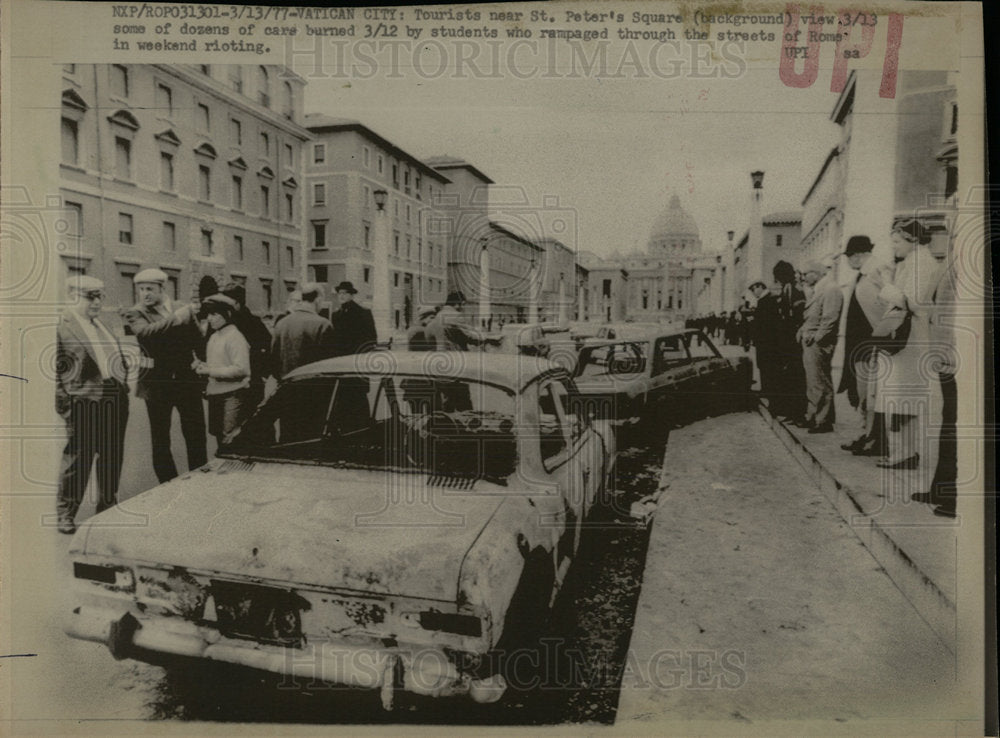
(673, 279)
(495, 267)
(347, 163)
(194, 169)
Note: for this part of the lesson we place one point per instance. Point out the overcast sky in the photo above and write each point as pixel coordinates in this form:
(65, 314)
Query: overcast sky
(611, 151)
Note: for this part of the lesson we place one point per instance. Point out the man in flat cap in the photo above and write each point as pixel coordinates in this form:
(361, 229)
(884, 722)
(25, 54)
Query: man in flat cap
(818, 335)
(303, 336)
(353, 325)
(170, 340)
(92, 397)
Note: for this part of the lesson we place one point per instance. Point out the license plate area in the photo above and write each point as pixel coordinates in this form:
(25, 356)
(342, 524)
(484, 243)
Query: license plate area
(254, 612)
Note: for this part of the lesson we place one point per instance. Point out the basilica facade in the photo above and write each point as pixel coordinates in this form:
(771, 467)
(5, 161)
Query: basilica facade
(675, 278)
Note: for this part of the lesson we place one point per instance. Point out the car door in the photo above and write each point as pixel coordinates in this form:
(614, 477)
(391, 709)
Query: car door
(561, 453)
(714, 372)
(672, 374)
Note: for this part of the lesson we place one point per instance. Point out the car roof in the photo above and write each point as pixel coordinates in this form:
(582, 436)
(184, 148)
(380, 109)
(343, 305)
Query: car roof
(507, 370)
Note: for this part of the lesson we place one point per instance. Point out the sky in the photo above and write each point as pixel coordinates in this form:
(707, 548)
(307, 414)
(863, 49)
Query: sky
(611, 152)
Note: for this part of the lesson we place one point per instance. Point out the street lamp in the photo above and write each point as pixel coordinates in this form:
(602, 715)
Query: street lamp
(758, 179)
(381, 298)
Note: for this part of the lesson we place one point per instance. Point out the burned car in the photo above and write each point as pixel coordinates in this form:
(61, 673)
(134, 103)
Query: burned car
(650, 381)
(393, 521)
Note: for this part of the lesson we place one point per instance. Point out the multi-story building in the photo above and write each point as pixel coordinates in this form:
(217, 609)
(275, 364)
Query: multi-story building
(194, 169)
(673, 279)
(508, 288)
(558, 281)
(346, 164)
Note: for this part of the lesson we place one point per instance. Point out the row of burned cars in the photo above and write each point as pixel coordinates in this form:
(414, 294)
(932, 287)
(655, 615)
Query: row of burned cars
(393, 521)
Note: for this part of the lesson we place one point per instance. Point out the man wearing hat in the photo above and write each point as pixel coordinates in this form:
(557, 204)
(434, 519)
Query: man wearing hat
(169, 341)
(92, 397)
(353, 325)
(303, 336)
(818, 336)
(864, 311)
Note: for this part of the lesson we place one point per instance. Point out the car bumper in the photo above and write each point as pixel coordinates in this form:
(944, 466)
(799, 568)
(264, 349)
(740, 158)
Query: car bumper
(421, 670)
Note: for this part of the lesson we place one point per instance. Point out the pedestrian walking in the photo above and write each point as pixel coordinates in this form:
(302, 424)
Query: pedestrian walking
(302, 336)
(818, 336)
(169, 341)
(227, 366)
(258, 338)
(92, 399)
(353, 325)
(904, 392)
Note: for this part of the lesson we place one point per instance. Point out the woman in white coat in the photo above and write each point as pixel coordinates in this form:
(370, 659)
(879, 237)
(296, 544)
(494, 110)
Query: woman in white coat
(904, 387)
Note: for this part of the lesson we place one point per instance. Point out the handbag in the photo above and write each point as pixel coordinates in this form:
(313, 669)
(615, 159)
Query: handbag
(892, 331)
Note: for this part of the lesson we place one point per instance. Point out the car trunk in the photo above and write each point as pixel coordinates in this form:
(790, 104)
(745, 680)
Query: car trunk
(369, 531)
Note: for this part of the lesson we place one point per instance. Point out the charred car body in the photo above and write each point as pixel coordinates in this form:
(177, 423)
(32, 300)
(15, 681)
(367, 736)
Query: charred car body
(389, 520)
(645, 382)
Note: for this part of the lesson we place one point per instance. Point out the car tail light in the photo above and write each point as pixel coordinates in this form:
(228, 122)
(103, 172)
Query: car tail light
(467, 625)
(120, 577)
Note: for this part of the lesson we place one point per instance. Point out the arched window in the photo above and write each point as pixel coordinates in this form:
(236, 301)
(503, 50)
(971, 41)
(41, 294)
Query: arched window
(287, 104)
(263, 86)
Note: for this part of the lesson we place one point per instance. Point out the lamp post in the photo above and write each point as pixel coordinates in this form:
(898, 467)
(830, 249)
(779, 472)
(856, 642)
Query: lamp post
(484, 282)
(381, 296)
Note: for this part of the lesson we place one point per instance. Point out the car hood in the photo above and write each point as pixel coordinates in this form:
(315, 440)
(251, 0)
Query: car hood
(375, 531)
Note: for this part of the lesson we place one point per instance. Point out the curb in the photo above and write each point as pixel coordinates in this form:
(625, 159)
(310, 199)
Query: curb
(931, 603)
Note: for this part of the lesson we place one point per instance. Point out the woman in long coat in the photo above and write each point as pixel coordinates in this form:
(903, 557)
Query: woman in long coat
(904, 383)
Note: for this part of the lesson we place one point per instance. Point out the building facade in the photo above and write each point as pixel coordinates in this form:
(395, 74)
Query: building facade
(674, 279)
(495, 268)
(346, 164)
(558, 283)
(194, 169)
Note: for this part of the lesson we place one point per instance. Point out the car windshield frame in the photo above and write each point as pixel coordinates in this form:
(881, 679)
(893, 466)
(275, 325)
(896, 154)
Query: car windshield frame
(447, 417)
(643, 347)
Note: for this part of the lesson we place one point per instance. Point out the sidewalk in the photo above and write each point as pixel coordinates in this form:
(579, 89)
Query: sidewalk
(917, 548)
(760, 608)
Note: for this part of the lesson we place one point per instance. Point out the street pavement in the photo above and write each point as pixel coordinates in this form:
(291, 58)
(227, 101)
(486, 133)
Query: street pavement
(760, 606)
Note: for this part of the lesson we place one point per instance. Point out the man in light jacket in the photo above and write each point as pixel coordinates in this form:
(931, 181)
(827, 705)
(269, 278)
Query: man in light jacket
(818, 336)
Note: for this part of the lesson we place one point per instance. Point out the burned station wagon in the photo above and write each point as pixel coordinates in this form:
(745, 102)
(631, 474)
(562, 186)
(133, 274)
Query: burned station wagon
(394, 521)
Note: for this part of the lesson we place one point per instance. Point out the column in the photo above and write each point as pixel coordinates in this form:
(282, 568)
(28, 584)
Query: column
(562, 301)
(484, 282)
(533, 288)
(381, 280)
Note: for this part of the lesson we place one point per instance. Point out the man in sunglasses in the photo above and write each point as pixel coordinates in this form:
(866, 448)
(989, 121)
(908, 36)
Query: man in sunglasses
(92, 397)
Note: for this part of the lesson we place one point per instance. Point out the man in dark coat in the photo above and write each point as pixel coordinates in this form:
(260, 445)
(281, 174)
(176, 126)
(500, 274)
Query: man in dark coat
(353, 325)
(864, 310)
(302, 337)
(170, 341)
(257, 336)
